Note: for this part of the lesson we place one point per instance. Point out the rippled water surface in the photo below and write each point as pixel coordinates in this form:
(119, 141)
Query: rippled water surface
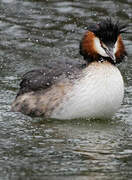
(33, 32)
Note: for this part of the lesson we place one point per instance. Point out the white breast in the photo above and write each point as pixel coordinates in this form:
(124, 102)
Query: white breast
(98, 94)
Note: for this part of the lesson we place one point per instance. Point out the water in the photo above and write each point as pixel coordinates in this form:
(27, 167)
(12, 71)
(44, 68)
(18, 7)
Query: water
(33, 32)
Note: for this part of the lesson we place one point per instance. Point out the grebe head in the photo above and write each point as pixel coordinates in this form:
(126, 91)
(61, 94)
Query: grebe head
(103, 41)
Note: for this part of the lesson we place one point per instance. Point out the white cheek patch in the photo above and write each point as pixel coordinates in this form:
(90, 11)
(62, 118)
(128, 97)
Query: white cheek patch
(98, 47)
(115, 47)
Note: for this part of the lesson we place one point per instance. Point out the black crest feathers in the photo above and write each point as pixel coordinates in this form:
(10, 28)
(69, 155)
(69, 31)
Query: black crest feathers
(108, 30)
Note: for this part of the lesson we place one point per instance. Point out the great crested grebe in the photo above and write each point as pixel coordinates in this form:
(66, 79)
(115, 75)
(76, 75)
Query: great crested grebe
(92, 89)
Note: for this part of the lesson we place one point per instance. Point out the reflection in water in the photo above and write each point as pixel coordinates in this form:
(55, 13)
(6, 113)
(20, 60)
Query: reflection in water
(32, 34)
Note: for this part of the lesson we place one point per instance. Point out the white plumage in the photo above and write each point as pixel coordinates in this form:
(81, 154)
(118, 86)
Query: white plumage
(98, 94)
(93, 91)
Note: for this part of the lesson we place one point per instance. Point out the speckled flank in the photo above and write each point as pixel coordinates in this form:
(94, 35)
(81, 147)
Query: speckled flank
(42, 103)
(92, 88)
(98, 93)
